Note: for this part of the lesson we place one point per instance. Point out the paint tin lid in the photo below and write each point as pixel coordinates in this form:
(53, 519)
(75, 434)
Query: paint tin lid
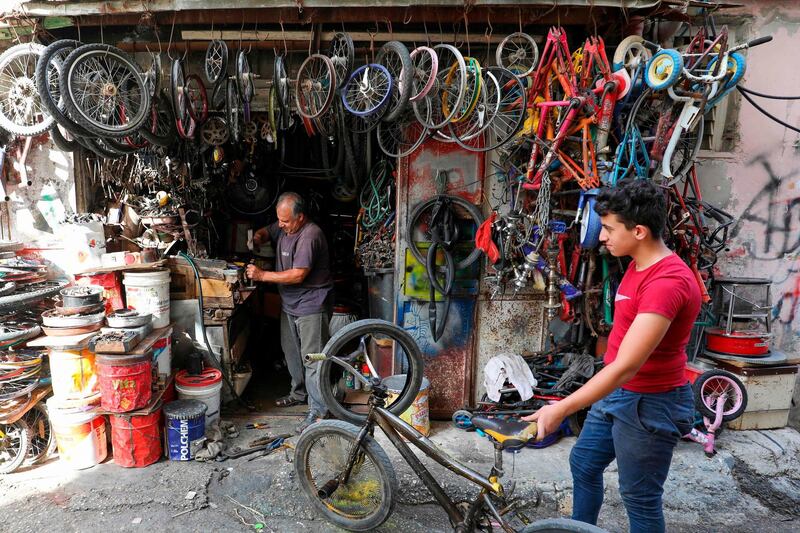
(207, 377)
(122, 360)
(185, 409)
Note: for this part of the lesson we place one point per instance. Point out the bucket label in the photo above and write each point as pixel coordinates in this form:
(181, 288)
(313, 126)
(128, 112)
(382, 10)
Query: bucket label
(184, 438)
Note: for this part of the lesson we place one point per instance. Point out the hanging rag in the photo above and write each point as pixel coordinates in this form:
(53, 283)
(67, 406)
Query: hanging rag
(484, 241)
(508, 367)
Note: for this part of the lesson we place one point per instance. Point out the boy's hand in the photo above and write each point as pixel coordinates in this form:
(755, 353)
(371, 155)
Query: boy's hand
(548, 419)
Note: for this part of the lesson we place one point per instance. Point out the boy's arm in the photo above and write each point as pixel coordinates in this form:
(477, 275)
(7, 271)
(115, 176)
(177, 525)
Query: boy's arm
(643, 336)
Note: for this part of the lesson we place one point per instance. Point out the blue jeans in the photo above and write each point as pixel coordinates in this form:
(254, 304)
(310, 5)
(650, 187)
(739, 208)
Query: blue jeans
(640, 431)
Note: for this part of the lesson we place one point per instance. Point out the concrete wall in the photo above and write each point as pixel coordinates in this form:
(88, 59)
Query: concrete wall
(759, 180)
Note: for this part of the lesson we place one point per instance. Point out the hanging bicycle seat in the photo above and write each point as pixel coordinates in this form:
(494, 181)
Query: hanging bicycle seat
(509, 433)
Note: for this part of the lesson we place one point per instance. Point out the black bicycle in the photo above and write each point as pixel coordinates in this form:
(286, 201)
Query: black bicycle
(350, 480)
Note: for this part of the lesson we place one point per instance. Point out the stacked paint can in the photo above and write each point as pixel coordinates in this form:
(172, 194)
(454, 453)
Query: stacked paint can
(205, 387)
(185, 429)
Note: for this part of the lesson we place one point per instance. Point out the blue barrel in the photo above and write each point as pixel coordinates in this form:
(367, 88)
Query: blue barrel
(185, 425)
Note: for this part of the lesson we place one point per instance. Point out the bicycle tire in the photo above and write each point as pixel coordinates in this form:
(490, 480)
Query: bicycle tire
(342, 54)
(307, 98)
(61, 142)
(244, 78)
(329, 429)
(216, 61)
(69, 73)
(42, 443)
(232, 112)
(281, 81)
(380, 83)
(402, 72)
(161, 129)
(704, 402)
(17, 439)
(473, 211)
(520, 60)
(355, 331)
(561, 525)
(671, 61)
(45, 82)
(152, 79)
(22, 87)
(434, 99)
(624, 58)
(40, 291)
(200, 113)
(422, 86)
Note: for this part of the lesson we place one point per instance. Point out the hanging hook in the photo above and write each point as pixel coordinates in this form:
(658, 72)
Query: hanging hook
(102, 38)
(519, 18)
(488, 34)
(389, 28)
(169, 45)
(466, 32)
(427, 35)
(250, 41)
(406, 16)
(78, 23)
(283, 36)
(241, 31)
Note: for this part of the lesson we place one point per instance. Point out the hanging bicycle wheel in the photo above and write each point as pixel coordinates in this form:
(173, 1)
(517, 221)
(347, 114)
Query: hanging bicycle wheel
(316, 86)
(509, 117)
(281, 82)
(107, 94)
(42, 439)
(342, 54)
(214, 132)
(152, 78)
(419, 226)
(180, 106)
(367, 498)
(395, 57)
(14, 442)
(232, 112)
(48, 72)
(368, 90)
(426, 66)
(387, 350)
(160, 129)
(216, 62)
(472, 94)
(196, 98)
(402, 136)
(518, 51)
(451, 63)
(245, 83)
(482, 116)
(21, 109)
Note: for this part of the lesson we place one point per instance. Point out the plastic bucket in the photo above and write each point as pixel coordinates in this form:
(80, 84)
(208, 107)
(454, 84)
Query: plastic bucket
(73, 373)
(417, 415)
(147, 291)
(205, 387)
(80, 435)
(136, 440)
(185, 428)
(125, 381)
(162, 354)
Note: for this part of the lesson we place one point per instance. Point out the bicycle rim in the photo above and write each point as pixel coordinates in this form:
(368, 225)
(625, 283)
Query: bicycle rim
(14, 440)
(42, 439)
(21, 109)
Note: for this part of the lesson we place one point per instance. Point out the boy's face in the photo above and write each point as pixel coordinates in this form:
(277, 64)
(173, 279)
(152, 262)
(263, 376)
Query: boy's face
(619, 240)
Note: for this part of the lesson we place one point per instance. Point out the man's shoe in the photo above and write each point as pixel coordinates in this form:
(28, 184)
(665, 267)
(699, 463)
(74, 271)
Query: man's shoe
(288, 401)
(311, 418)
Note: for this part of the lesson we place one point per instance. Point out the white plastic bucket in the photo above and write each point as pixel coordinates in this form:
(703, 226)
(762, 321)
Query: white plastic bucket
(147, 291)
(209, 395)
(80, 435)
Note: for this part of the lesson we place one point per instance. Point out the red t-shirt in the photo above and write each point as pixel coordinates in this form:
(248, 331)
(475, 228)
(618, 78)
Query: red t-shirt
(667, 288)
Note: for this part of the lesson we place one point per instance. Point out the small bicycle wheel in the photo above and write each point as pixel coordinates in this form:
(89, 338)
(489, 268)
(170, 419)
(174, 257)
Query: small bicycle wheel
(449, 86)
(401, 137)
(21, 109)
(631, 54)
(419, 223)
(196, 98)
(216, 61)
(395, 57)
(180, 104)
(316, 86)
(342, 54)
(462, 419)
(321, 455)
(664, 69)
(472, 95)
(368, 90)
(387, 350)
(518, 51)
(719, 385)
(426, 66)
(481, 118)
(42, 438)
(107, 93)
(14, 442)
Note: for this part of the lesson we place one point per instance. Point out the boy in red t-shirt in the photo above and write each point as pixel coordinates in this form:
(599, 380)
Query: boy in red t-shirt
(641, 401)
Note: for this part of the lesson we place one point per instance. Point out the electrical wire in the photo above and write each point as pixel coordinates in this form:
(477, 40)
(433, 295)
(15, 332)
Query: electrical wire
(747, 97)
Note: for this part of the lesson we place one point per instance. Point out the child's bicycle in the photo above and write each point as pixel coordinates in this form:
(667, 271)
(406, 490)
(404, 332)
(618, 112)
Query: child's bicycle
(719, 396)
(350, 480)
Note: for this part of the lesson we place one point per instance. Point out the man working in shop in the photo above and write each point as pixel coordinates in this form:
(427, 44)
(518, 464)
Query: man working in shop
(641, 401)
(302, 272)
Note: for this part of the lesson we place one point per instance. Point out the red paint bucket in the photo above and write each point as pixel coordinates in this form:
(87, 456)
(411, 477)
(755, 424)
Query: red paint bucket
(125, 381)
(136, 440)
(112, 288)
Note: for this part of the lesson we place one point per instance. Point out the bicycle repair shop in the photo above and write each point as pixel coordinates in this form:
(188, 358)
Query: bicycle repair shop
(424, 139)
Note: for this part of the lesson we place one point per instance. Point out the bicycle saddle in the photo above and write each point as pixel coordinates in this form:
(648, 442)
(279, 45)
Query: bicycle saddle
(509, 433)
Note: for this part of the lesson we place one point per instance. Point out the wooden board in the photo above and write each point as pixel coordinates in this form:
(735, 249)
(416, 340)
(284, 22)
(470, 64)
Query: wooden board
(147, 343)
(122, 268)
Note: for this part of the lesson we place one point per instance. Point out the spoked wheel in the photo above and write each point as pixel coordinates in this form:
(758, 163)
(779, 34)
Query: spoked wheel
(197, 100)
(367, 499)
(632, 55)
(180, 101)
(232, 112)
(152, 78)
(450, 85)
(720, 385)
(426, 66)
(395, 57)
(48, 72)
(342, 54)
(485, 111)
(281, 81)
(42, 438)
(387, 349)
(21, 109)
(107, 93)
(518, 51)
(216, 62)
(507, 120)
(245, 83)
(472, 94)
(14, 442)
(401, 137)
(368, 90)
(316, 86)
(160, 129)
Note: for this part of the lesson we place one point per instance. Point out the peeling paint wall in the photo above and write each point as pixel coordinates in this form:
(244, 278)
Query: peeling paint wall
(759, 182)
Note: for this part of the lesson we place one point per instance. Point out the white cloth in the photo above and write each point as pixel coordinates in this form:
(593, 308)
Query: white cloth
(508, 367)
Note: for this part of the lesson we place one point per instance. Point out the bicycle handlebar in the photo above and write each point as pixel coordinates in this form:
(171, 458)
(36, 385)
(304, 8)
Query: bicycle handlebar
(760, 40)
(653, 47)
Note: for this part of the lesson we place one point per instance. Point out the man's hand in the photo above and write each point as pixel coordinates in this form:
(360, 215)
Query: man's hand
(548, 419)
(254, 273)
(260, 237)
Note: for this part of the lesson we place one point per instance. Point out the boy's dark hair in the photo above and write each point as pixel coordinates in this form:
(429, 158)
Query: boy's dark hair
(635, 202)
